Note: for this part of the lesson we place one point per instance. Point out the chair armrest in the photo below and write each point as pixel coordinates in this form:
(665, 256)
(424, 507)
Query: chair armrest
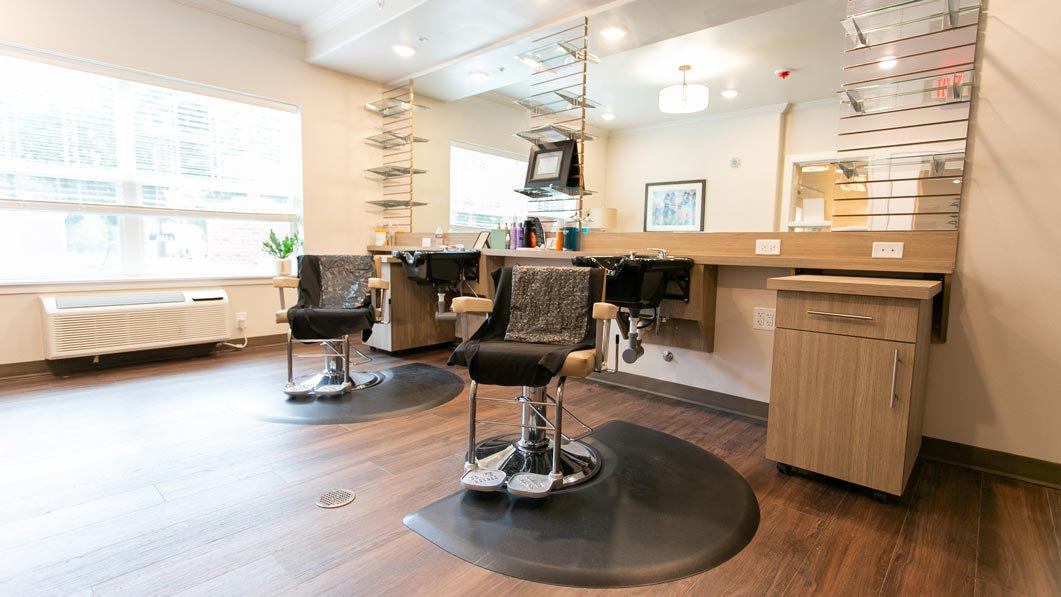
(379, 283)
(285, 282)
(605, 311)
(471, 304)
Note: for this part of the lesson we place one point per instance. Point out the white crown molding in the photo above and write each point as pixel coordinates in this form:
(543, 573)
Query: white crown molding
(335, 15)
(245, 16)
(812, 104)
(684, 122)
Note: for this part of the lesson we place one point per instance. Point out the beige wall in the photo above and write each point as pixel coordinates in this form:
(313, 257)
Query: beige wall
(737, 199)
(996, 383)
(172, 39)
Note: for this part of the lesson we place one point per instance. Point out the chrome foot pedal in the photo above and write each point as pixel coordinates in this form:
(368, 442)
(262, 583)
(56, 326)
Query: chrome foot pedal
(294, 389)
(483, 479)
(332, 389)
(530, 485)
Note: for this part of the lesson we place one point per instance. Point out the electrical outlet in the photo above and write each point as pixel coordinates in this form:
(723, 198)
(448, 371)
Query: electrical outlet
(887, 251)
(768, 247)
(763, 318)
(241, 320)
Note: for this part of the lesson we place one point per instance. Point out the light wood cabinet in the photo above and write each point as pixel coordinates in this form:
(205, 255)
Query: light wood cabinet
(848, 378)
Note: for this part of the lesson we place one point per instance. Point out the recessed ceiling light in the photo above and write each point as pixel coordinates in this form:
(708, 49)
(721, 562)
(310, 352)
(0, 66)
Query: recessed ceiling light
(888, 63)
(478, 76)
(403, 50)
(730, 93)
(613, 33)
(608, 116)
(814, 168)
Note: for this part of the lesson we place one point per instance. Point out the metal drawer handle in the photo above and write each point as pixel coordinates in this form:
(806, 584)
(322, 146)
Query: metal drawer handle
(843, 315)
(895, 370)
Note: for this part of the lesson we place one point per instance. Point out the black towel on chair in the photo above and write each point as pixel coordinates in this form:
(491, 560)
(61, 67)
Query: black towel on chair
(332, 294)
(492, 360)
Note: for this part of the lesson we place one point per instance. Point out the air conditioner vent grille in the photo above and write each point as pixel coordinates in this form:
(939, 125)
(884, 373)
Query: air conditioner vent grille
(105, 324)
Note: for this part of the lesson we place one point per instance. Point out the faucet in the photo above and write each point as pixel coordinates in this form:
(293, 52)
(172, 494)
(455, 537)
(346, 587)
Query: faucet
(660, 253)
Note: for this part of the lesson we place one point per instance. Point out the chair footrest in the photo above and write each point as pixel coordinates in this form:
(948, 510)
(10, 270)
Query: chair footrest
(332, 389)
(483, 479)
(295, 389)
(530, 485)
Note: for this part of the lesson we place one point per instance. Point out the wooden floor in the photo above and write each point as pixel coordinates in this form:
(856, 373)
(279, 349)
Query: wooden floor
(145, 481)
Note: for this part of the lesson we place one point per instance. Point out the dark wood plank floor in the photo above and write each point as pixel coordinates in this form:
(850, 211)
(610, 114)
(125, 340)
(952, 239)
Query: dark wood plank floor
(145, 481)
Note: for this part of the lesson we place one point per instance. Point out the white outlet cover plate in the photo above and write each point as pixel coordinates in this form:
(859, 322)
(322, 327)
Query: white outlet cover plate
(768, 247)
(887, 251)
(763, 318)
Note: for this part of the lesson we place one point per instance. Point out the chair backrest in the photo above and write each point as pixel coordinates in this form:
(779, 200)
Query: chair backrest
(496, 325)
(335, 281)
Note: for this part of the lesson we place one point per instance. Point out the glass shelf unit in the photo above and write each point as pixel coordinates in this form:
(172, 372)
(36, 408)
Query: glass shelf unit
(394, 171)
(909, 93)
(936, 165)
(557, 54)
(547, 103)
(393, 107)
(909, 19)
(392, 139)
(395, 203)
(553, 133)
(552, 193)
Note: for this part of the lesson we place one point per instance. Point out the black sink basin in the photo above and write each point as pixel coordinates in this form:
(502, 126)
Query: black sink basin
(440, 268)
(641, 281)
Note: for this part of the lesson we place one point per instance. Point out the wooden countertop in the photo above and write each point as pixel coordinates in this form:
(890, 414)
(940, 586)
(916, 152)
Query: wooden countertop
(890, 287)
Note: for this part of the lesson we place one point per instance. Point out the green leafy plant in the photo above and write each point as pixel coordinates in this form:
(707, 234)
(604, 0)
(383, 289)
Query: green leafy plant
(281, 248)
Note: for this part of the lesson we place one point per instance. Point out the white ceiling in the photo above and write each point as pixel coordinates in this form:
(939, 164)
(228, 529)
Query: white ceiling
(729, 45)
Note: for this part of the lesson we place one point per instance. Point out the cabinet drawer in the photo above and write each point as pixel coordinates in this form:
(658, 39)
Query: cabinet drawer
(878, 317)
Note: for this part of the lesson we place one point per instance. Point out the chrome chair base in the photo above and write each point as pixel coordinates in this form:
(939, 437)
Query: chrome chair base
(337, 378)
(578, 461)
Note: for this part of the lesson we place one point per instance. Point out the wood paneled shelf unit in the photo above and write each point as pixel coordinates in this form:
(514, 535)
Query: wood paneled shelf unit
(849, 374)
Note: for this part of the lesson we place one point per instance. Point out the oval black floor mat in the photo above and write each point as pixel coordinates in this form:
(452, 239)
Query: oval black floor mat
(405, 389)
(660, 509)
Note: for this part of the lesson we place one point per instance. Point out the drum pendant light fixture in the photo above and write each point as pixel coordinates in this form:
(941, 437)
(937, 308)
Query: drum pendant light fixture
(684, 98)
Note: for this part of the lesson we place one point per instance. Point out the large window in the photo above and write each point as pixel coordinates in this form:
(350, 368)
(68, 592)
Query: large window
(481, 183)
(103, 177)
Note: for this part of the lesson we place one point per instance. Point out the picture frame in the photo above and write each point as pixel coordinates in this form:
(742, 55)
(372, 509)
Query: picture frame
(550, 164)
(675, 206)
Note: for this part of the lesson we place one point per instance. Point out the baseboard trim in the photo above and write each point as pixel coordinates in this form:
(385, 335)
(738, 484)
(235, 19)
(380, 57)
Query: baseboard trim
(83, 364)
(1023, 468)
(668, 389)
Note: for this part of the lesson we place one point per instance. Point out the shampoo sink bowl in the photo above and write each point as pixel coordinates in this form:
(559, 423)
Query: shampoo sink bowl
(440, 268)
(638, 281)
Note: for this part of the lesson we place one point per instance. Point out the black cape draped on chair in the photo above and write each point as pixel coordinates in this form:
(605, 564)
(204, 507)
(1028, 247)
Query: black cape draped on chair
(492, 360)
(317, 317)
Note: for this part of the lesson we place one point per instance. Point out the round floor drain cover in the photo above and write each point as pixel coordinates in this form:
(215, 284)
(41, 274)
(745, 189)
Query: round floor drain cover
(336, 498)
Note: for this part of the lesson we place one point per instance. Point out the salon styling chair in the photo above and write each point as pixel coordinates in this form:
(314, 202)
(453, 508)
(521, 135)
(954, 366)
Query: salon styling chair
(544, 323)
(338, 295)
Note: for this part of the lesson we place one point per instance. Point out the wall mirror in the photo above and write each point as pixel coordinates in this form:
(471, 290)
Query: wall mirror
(769, 147)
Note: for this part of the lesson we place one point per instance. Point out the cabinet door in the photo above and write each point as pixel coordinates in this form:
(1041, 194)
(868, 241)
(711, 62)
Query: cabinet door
(831, 409)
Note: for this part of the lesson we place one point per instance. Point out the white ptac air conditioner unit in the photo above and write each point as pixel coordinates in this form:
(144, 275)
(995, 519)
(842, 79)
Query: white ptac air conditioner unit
(94, 324)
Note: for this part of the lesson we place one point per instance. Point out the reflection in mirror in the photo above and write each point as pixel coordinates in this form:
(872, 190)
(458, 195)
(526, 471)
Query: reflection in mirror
(745, 143)
(917, 192)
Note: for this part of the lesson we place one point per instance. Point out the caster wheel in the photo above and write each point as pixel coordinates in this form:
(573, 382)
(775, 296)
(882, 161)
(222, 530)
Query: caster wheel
(784, 469)
(881, 497)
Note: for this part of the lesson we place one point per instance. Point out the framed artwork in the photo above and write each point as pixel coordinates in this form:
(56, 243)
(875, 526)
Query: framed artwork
(550, 164)
(675, 206)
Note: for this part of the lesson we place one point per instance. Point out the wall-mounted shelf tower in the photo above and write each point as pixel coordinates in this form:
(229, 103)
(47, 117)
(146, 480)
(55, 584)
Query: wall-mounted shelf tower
(396, 140)
(557, 107)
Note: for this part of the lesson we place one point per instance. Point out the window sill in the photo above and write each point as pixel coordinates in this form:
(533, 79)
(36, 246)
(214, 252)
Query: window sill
(29, 287)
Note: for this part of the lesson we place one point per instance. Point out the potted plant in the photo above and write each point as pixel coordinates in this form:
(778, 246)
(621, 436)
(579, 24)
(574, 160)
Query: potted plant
(281, 249)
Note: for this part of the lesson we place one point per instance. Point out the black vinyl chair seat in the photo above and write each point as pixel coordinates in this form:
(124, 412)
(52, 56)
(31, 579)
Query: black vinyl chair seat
(333, 297)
